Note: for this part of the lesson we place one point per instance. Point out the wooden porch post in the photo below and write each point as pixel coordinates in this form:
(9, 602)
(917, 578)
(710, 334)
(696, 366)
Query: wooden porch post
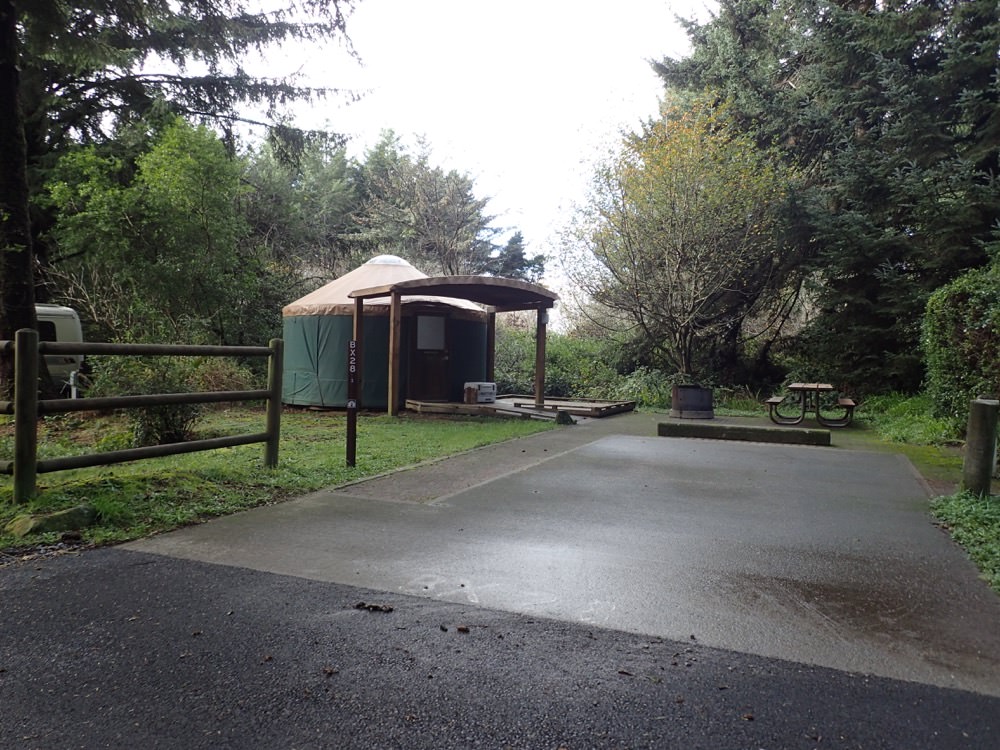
(394, 346)
(491, 346)
(541, 319)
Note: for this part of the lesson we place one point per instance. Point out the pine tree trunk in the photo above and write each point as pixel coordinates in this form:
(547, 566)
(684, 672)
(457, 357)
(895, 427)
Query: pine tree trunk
(17, 295)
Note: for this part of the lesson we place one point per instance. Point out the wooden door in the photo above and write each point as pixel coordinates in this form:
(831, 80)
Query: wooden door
(429, 360)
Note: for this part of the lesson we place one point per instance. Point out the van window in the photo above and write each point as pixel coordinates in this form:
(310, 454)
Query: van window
(46, 330)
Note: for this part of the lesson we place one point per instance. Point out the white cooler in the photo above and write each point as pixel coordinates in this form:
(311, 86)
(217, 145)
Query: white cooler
(485, 393)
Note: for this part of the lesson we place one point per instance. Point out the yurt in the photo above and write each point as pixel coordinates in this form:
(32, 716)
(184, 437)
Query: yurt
(443, 341)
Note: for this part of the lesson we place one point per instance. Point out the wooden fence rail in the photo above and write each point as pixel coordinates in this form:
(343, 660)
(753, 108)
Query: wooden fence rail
(27, 407)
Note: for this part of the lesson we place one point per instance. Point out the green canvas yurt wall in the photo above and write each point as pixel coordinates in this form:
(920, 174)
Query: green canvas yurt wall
(319, 327)
(315, 372)
(468, 355)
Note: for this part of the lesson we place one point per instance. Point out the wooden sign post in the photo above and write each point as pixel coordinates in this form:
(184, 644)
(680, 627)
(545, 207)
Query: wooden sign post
(352, 402)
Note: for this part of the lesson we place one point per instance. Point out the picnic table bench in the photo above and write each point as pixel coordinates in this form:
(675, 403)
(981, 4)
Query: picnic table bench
(804, 398)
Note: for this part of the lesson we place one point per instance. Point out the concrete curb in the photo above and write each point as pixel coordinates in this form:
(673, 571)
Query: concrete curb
(751, 433)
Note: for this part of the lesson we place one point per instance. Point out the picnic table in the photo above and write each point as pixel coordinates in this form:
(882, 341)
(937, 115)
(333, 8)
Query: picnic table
(803, 398)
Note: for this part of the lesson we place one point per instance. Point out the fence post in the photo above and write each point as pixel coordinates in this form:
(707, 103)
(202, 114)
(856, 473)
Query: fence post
(980, 446)
(275, 367)
(25, 414)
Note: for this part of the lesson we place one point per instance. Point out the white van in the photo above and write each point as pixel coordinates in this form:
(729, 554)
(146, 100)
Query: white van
(58, 323)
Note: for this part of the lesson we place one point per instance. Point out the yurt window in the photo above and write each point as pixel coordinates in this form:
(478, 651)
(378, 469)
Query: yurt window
(430, 333)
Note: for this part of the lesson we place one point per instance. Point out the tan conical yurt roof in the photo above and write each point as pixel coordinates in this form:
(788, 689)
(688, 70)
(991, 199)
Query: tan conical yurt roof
(334, 299)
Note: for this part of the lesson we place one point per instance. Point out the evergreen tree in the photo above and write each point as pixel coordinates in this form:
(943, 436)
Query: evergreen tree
(891, 112)
(431, 216)
(301, 210)
(17, 294)
(511, 262)
(73, 72)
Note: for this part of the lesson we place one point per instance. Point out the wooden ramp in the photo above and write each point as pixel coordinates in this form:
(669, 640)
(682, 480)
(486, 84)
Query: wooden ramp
(524, 407)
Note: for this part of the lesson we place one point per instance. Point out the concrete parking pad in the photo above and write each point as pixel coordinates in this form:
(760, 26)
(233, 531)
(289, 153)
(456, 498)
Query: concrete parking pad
(818, 555)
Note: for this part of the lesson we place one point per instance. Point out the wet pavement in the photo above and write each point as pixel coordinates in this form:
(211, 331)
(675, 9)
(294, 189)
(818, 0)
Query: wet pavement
(819, 555)
(589, 587)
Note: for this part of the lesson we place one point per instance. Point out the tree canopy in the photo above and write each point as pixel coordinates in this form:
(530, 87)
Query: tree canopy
(78, 72)
(153, 246)
(682, 228)
(91, 65)
(301, 207)
(433, 217)
(890, 111)
(162, 233)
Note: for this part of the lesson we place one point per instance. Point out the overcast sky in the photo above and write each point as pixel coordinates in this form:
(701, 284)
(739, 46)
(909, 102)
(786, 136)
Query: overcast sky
(523, 95)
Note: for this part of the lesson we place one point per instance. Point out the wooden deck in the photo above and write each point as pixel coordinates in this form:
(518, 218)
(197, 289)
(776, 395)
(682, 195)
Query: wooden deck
(524, 407)
(579, 407)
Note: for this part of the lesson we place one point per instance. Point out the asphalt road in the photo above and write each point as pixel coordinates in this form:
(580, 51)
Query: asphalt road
(611, 591)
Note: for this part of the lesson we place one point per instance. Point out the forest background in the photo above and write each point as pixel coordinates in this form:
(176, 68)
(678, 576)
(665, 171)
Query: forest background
(817, 199)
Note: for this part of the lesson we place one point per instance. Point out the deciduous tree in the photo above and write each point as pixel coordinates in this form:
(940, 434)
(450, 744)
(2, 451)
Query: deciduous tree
(153, 249)
(679, 237)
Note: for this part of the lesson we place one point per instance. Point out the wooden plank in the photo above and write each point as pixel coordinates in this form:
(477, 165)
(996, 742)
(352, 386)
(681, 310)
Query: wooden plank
(435, 407)
(810, 387)
(580, 408)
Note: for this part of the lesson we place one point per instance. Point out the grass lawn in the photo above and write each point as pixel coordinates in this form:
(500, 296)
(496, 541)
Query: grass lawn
(143, 497)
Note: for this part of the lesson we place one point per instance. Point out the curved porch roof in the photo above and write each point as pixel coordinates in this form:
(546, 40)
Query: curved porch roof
(501, 295)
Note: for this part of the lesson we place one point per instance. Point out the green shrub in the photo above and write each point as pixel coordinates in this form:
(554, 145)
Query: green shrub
(514, 366)
(114, 441)
(649, 388)
(739, 401)
(221, 374)
(907, 419)
(575, 366)
(129, 376)
(961, 343)
(974, 522)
